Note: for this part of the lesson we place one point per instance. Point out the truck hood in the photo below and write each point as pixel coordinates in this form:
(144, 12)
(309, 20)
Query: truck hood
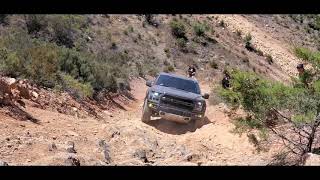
(176, 92)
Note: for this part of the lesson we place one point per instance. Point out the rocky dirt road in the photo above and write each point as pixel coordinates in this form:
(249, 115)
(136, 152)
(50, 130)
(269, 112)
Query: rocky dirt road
(121, 138)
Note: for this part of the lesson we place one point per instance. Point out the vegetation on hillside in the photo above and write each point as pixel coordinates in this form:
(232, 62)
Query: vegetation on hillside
(291, 112)
(53, 51)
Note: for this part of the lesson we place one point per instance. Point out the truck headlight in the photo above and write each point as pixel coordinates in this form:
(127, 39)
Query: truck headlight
(154, 96)
(199, 106)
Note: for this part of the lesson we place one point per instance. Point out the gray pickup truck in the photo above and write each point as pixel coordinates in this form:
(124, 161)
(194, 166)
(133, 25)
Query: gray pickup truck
(175, 98)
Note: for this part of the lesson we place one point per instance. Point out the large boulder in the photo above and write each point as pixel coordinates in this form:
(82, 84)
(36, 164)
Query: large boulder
(2, 163)
(7, 84)
(311, 159)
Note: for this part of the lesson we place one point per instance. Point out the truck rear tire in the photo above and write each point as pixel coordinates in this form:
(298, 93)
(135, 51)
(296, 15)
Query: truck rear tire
(146, 113)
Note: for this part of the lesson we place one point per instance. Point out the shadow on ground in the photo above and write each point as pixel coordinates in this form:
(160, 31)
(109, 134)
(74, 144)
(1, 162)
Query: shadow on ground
(174, 128)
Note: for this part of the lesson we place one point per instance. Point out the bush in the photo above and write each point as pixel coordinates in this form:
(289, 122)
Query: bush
(169, 69)
(308, 55)
(238, 32)
(36, 23)
(4, 19)
(76, 88)
(182, 43)
(213, 64)
(130, 29)
(178, 29)
(43, 66)
(259, 52)
(63, 33)
(200, 29)
(256, 94)
(76, 64)
(269, 59)
(248, 38)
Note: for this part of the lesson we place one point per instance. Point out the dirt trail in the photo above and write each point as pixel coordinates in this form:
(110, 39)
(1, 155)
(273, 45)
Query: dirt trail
(129, 140)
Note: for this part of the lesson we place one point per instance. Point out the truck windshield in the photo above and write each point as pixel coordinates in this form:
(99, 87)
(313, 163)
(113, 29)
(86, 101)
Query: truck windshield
(178, 83)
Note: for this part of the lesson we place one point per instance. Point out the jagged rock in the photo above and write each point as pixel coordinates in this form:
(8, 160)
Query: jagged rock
(52, 147)
(141, 154)
(23, 89)
(108, 113)
(72, 161)
(35, 95)
(3, 163)
(115, 133)
(311, 159)
(70, 147)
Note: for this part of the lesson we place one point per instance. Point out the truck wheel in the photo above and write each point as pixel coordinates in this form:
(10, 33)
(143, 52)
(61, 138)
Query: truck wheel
(146, 113)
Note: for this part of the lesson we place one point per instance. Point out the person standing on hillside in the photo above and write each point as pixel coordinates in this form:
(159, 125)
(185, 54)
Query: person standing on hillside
(305, 76)
(191, 71)
(226, 80)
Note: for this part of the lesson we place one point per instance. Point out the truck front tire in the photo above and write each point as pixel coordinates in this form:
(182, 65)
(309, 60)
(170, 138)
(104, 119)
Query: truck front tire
(146, 113)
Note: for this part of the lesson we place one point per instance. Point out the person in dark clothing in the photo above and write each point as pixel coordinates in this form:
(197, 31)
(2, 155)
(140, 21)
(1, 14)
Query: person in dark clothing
(226, 80)
(191, 71)
(305, 76)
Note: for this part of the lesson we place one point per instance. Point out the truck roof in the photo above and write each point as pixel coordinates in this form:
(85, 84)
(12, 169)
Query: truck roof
(178, 76)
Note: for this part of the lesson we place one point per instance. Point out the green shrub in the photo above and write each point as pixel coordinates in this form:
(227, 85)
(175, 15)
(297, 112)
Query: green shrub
(4, 19)
(63, 33)
(182, 43)
(36, 23)
(259, 96)
(259, 52)
(76, 64)
(76, 88)
(178, 29)
(130, 29)
(213, 64)
(238, 32)
(248, 38)
(43, 66)
(269, 59)
(200, 29)
(308, 55)
(244, 124)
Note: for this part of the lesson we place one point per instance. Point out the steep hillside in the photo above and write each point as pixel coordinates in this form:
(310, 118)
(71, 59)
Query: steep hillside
(88, 73)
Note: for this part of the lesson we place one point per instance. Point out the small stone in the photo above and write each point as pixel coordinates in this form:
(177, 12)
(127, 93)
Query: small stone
(52, 147)
(28, 160)
(141, 154)
(7, 139)
(70, 148)
(2, 163)
(29, 143)
(35, 95)
(189, 157)
(22, 125)
(115, 133)
(72, 161)
(54, 137)
(72, 133)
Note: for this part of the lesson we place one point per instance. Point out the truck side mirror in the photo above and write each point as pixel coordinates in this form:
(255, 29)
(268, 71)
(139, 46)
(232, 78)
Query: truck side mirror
(149, 83)
(205, 96)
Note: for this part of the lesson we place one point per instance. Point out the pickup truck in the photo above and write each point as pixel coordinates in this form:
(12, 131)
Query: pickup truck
(175, 98)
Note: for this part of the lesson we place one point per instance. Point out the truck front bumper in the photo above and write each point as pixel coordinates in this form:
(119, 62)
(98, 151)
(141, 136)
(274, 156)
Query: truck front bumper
(173, 114)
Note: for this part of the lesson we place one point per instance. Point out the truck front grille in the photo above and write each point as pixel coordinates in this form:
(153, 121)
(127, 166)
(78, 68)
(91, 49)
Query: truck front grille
(177, 102)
